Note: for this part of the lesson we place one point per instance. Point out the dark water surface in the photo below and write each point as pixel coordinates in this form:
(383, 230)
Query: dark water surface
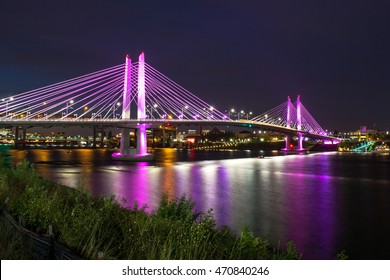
(323, 202)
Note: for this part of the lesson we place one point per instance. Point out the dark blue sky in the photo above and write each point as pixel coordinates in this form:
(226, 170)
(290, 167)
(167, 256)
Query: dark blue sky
(244, 54)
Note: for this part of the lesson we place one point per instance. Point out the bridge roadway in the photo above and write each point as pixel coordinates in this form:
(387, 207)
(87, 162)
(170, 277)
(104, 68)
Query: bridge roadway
(134, 123)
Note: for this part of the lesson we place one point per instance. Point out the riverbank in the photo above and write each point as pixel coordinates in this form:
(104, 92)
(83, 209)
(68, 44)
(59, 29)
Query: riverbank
(94, 225)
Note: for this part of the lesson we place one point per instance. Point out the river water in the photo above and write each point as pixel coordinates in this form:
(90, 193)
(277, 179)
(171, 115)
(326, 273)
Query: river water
(324, 202)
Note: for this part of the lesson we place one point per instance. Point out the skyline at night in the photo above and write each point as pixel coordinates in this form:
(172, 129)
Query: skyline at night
(248, 56)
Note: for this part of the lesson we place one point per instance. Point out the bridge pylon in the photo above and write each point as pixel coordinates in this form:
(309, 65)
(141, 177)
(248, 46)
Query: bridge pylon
(140, 152)
(299, 124)
(141, 131)
(288, 123)
(289, 120)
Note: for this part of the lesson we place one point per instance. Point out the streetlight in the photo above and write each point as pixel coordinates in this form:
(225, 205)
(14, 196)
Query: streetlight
(155, 109)
(182, 111)
(6, 105)
(231, 111)
(209, 111)
(114, 109)
(68, 106)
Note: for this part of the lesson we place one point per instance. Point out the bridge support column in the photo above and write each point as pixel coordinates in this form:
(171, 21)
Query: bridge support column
(94, 137)
(20, 137)
(288, 142)
(163, 137)
(141, 113)
(125, 141)
(101, 137)
(300, 140)
(16, 140)
(24, 133)
(299, 124)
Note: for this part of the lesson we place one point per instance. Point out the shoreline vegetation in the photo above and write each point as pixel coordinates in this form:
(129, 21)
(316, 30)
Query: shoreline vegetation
(95, 226)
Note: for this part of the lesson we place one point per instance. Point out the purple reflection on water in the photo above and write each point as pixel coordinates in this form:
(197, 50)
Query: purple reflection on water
(136, 186)
(310, 226)
(222, 215)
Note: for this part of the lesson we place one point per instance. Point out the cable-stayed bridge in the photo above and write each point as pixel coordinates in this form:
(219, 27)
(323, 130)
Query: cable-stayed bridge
(135, 95)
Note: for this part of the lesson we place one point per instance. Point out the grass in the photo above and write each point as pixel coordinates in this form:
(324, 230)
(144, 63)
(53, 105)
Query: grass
(11, 245)
(91, 224)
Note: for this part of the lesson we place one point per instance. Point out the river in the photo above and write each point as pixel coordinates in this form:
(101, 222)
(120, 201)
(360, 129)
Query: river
(324, 202)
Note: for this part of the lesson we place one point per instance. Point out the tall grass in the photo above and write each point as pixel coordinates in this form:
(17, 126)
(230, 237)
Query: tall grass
(11, 245)
(91, 224)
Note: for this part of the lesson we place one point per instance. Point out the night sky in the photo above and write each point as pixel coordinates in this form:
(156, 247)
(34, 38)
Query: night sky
(243, 54)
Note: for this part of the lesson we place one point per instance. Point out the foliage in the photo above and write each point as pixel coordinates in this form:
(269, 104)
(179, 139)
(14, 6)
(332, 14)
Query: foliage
(11, 245)
(342, 255)
(88, 224)
(290, 253)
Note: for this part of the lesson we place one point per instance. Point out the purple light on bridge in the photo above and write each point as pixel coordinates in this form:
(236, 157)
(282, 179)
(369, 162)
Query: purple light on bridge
(299, 116)
(141, 145)
(127, 89)
(299, 122)
(288, 112)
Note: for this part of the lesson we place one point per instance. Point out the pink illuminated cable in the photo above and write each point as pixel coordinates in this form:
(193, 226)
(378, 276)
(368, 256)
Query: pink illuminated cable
(176, 97)
(76, 94)
(49, 97)
(67, 82)
(185, 99)
(64, 84)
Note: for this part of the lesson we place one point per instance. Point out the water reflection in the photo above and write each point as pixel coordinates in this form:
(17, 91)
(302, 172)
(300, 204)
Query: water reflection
(324, 202)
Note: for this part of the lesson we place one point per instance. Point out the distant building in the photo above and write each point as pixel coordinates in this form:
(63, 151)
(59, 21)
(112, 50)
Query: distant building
(365, 134)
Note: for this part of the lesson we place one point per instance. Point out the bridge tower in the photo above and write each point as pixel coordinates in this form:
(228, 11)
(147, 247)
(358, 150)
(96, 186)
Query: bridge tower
(140, 152)
(141, 135)
(125, 139)
(288, 124)
(127, 89)
(299, 123)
